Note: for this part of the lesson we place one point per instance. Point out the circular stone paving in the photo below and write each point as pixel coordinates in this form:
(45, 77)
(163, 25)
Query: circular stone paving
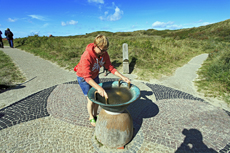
(176, 122)
(187, 126)
(68, 103)
(184, 125)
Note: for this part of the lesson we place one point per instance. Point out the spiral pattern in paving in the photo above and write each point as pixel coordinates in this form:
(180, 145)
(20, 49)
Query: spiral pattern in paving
(176, 122)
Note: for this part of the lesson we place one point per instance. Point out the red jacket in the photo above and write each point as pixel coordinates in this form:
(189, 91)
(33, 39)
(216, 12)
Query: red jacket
(89, 65)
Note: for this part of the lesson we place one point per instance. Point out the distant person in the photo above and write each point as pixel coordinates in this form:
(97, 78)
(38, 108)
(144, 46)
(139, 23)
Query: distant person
(9, 36)
(87, 70)
(1, 43)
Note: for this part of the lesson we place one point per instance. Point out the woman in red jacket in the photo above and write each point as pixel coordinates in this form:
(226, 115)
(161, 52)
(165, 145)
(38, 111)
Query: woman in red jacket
(87, 70)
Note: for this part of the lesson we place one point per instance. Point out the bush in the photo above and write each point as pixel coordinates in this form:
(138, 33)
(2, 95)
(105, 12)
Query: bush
(216, 74)
(9, 73)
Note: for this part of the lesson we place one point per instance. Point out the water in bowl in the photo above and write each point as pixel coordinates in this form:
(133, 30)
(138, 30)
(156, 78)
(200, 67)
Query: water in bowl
(116, 95)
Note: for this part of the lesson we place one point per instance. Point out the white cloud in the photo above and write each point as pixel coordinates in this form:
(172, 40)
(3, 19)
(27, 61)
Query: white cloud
(101, 18)
(173, 27)
(197, 23)
(45, 25)
(117, 15)
(38, 17)
(12, 20)
(71, 22)
(107, 12)
(133, 27)
(166, 25)
(159, 24)
(205, 23)
(113, 17)
(96, 1)
(63, 23)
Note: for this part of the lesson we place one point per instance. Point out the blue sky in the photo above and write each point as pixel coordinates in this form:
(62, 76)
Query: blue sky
(77, 17)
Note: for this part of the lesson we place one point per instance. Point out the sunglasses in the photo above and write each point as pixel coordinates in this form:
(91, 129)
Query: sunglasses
(104, 50)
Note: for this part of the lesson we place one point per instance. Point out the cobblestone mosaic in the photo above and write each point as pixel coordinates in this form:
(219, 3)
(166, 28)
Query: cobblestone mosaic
(68, 103)
(181, 122)
(48, 135)
(163, 92)
(29, 108)
(176, 122)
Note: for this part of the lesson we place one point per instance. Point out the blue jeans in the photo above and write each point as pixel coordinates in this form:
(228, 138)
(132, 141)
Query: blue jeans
(84, 85)
(11, 42)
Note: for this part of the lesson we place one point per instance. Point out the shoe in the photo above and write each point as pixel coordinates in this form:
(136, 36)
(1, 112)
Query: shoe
(96, 117)
(92, 121)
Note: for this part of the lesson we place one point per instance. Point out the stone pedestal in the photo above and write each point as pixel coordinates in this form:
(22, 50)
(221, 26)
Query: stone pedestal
(125, 58)
(114, 130)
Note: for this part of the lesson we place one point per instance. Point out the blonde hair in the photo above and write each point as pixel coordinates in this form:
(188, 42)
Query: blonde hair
(101, 41)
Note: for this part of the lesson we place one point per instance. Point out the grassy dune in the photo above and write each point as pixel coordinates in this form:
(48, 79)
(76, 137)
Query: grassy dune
(152, 53)
(9, 73)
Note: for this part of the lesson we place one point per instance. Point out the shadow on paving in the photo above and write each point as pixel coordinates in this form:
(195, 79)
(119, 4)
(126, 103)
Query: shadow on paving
(35, 106)
(163, 92)
(193, 142)
(142, 108)
(4, 88)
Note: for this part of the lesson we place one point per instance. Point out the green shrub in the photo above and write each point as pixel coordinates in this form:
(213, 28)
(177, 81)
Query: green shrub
(215, 74)
(9, 73)
(156, 53)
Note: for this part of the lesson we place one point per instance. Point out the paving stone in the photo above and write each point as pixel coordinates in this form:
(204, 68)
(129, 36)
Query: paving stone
(29, 108)
(56, 120)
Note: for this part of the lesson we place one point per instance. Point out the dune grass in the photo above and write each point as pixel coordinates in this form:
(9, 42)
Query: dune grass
(214, 76)
(152, 53)
(10, 75)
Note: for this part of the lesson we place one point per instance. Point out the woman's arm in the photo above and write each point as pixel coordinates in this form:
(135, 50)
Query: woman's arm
(100, 90)
(122, 77)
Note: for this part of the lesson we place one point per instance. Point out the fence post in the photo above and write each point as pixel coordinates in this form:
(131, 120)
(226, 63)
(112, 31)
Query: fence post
(125, 58)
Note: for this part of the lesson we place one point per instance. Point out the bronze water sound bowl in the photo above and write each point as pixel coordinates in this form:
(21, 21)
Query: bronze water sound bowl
(120, 95)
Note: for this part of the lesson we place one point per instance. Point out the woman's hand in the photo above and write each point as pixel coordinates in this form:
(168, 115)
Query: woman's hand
(122, 77)
(126, 79)
(102, 92)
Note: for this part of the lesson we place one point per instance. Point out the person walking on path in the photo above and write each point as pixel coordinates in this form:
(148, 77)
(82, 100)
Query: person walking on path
(9, 36)
(87, 70)
(1, 43)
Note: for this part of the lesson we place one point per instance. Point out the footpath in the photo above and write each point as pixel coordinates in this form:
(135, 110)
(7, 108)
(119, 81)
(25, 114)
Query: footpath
(47, 113)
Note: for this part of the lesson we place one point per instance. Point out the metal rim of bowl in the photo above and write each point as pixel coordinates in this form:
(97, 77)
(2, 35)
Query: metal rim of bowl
(92, 90)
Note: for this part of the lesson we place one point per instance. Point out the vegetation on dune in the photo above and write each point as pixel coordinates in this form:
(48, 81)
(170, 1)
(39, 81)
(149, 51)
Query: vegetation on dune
(214, 76)
(152, 53)
(9, 73)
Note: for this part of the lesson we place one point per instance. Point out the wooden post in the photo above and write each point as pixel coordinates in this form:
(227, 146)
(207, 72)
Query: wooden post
(125, 58)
